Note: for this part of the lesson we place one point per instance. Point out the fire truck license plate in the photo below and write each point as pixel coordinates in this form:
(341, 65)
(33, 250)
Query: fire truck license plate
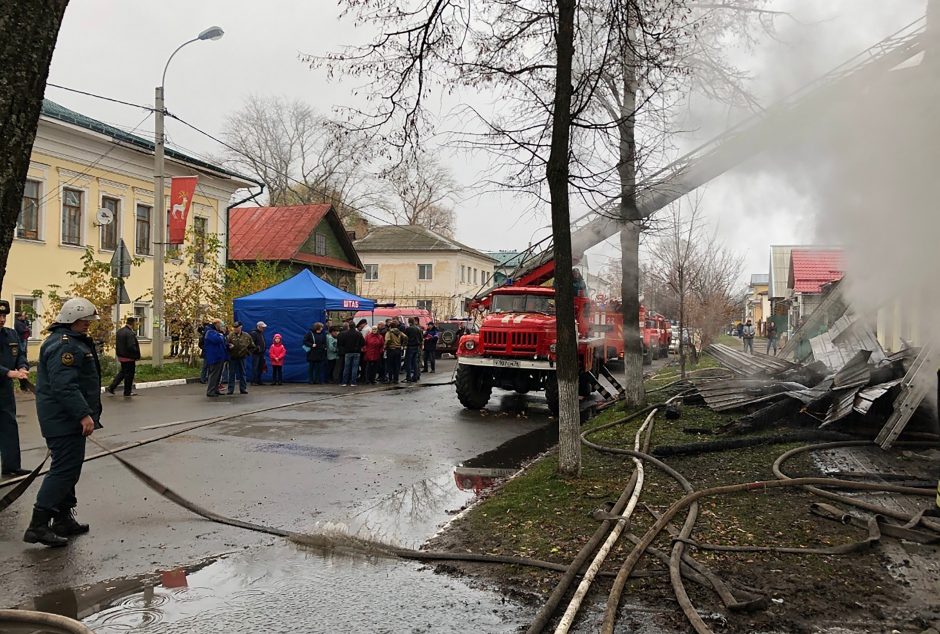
(505, 363)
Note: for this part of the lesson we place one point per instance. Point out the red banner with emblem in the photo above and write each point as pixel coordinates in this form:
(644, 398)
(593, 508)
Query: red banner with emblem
(181, 197)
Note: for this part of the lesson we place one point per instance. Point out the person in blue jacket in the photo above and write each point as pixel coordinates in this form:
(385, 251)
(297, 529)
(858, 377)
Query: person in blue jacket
(216, 351)
(68, 405)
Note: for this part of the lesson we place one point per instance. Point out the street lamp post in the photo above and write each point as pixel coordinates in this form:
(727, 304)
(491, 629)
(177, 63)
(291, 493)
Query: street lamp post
(159, 235)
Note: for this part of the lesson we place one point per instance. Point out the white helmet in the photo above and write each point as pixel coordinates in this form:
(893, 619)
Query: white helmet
(77, 309)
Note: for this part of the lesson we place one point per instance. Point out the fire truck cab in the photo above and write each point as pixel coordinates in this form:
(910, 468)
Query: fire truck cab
(515, 348)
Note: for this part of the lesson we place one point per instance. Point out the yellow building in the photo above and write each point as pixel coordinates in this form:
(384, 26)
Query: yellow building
(78, 166)
(415, 267)
(757, 306)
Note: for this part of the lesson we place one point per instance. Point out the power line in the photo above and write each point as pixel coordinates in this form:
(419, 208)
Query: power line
(102, 97)
(151, 110)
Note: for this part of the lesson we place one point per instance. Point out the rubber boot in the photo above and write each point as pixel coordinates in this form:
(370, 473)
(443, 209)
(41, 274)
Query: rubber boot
(64, 524)
(40, 531)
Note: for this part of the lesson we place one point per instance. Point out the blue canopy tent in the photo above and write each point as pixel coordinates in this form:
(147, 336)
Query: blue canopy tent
(289, 309)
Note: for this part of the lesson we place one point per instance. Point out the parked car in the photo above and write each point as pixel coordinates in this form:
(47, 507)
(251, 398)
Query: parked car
(451, 330)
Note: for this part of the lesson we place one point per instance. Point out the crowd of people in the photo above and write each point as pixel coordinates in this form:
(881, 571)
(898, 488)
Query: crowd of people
(349, 353)
(346, 353)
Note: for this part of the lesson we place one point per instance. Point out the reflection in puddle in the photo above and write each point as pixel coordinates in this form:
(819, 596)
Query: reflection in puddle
(284, 589)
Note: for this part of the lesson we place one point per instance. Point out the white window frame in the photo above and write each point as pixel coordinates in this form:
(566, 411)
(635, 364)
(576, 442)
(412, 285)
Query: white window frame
(81, 216)
(40, 208)
(146, 327)
(116, 222)
(425, 304)
(137, 204)
(374, 270)
(36, 323)
(430, 270)
(316, 243)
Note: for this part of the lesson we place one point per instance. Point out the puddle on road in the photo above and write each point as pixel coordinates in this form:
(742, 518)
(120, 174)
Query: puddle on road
(411, 513)
(285, 589)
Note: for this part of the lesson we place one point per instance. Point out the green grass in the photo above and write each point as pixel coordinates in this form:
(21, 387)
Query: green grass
(544, 515)
(145, 372)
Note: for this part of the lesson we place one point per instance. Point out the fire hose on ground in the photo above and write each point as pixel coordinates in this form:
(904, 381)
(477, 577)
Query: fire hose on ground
(679, 562)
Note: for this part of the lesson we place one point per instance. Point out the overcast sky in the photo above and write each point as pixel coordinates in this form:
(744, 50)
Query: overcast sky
(118, 48)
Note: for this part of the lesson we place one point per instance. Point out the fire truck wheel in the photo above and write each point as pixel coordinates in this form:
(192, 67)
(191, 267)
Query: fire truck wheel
(473, 390)
(551, 394)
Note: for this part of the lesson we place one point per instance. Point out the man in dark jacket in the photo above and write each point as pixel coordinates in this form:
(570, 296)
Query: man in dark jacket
(215, 350)
(431, 335)
(13, 367)
(68, 405)
(23, 331)
(413, 351)
(316, 347)
(257, 357)
(127, 351)
(350, 343)
(240, 348)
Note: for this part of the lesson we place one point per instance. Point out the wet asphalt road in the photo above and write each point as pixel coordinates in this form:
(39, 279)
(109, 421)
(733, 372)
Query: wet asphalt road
(371, 462)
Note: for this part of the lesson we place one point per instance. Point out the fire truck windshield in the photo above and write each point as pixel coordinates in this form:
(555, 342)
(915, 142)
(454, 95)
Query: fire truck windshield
(523, 304)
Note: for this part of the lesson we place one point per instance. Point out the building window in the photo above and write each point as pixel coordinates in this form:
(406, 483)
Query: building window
(110, 231)
(141, 311)
(320, 248)
(424, 304)
(71, 217)
(200, 233)
(463, 274)
(27, 225)
(142, 236)
(474, 276)
(30, 306)
(424, 272)
(372, 272)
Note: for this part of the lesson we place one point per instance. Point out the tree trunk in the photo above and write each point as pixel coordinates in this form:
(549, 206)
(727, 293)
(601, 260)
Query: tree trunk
(634, 391)
(28, 32)
(569, 419)
(682, 323)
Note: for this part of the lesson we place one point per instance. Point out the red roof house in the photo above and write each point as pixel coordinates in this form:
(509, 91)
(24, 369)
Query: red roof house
(812, 268)
(302, 236)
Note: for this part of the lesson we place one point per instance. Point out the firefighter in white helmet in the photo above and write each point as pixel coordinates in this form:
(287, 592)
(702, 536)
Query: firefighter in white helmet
(68, 405)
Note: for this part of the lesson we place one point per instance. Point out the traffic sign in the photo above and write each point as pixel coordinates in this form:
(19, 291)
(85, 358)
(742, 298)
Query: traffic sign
(121, 261)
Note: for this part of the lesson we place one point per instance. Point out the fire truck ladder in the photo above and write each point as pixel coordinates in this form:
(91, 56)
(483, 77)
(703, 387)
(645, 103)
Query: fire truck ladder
(914, 387)
(747, 139)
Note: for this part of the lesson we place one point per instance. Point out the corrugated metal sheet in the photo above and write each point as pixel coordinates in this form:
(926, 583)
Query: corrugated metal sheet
(853, 333)
(752, 365)
(867, 397)
(855, 373)
(813, 394)
(842, 402)
(736, 393)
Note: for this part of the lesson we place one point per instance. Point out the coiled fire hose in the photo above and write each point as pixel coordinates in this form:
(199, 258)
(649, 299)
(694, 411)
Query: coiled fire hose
(43, 620)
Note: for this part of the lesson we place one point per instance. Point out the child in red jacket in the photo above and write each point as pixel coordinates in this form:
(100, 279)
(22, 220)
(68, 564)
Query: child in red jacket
(276, 353)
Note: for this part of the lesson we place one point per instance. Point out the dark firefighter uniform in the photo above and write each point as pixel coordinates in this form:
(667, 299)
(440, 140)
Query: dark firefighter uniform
(68, 388)
(12, 357)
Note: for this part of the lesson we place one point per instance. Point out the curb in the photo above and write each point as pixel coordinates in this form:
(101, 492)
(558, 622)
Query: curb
(164, 383)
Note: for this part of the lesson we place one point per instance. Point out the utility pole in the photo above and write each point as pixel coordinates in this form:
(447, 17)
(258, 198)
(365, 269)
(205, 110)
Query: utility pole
(159, 234)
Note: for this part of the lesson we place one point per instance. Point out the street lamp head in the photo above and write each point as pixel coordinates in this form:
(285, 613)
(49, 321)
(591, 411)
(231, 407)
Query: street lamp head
(212, 33)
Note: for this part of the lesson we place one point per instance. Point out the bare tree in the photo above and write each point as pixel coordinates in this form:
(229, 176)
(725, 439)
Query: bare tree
(300, 156)
(679, 260)
(28, 32)
(421, 191)
(700, 270)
